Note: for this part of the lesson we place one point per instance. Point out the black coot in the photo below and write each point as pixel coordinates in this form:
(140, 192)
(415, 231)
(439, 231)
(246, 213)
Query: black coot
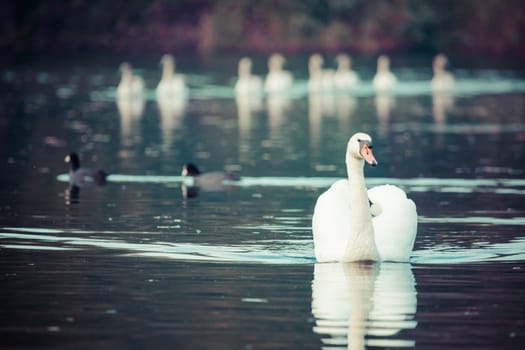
(81, 177)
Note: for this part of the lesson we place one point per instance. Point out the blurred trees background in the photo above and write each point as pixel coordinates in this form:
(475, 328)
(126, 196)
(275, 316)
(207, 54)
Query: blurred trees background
(477, 27)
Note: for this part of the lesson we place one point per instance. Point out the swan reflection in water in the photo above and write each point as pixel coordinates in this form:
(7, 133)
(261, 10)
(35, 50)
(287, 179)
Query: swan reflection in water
(130, 112)
(247, 108)
(248, 98)
(328, 105)
(171, 118)
(442, 103)
(130, 101)
(385, 103)
(363, 304)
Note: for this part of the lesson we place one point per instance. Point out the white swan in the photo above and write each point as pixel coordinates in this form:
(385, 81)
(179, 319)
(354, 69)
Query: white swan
(442, 80)
(345, 77)
(384, 79)
(319, 79)
(131, 86)
(247, 85)
(171, 85)
(346, 228)
(278, 79)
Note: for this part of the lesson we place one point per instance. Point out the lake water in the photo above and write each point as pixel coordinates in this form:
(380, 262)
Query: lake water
(136, 264)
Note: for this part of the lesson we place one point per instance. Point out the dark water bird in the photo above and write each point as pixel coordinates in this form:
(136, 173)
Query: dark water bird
(82, 177)
(212, 181)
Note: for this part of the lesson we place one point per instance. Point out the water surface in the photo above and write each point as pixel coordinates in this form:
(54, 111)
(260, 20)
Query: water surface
(138, 264)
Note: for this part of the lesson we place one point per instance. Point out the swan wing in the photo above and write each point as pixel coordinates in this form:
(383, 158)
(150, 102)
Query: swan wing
(174, 87)
(395, 222)
(137, 86)
(331, 222)
(278, 81)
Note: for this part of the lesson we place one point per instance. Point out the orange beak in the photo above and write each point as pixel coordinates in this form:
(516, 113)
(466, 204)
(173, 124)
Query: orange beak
(367, 154)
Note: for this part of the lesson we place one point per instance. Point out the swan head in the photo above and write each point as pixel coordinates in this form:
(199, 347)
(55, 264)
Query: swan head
(344, 61)
(245, 67)
(360, 147)
(126, 72)
(315, 64)
(124, 66)
(440, 62)
(316, 60)
(168, 63)
(125, 69)
(167, 59)
(276, 62)
(383, 64)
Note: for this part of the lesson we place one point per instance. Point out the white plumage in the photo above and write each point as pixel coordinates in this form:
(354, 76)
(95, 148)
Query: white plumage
(171, 85)
(442, 81)
(344, 77)
(345, 226)
(278, 79)
(247, 85)
(319, 79)
(384, 79)
(131, 86)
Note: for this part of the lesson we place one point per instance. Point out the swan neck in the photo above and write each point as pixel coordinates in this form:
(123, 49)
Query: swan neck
(168, 70)
(127, 75)
(358, 192)
(362, 244)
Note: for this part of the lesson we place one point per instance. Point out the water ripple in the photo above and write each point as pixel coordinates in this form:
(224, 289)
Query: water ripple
(269, 251)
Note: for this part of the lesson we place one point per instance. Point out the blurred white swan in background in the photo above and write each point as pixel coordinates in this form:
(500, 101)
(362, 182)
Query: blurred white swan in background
(346, 228)
(278, 79)
(171, 85)
(344, 77)
(131, 86)
(442, 80)
(363, 304)
(384, 79)
(247, 85)
(130, 103)
(319, 79)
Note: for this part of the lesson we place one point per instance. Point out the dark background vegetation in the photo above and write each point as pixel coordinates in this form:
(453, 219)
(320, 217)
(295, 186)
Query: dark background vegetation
(461, 27)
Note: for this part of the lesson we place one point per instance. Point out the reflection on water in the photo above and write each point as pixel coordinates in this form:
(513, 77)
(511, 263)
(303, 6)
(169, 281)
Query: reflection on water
(71, 195)
(442, 103)
(130, 111)
(290, 243)
(384, 104)
(171, 113)
(358, 304)
(247, 107)
(273, 252)
(278, 108)
(328, 105)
